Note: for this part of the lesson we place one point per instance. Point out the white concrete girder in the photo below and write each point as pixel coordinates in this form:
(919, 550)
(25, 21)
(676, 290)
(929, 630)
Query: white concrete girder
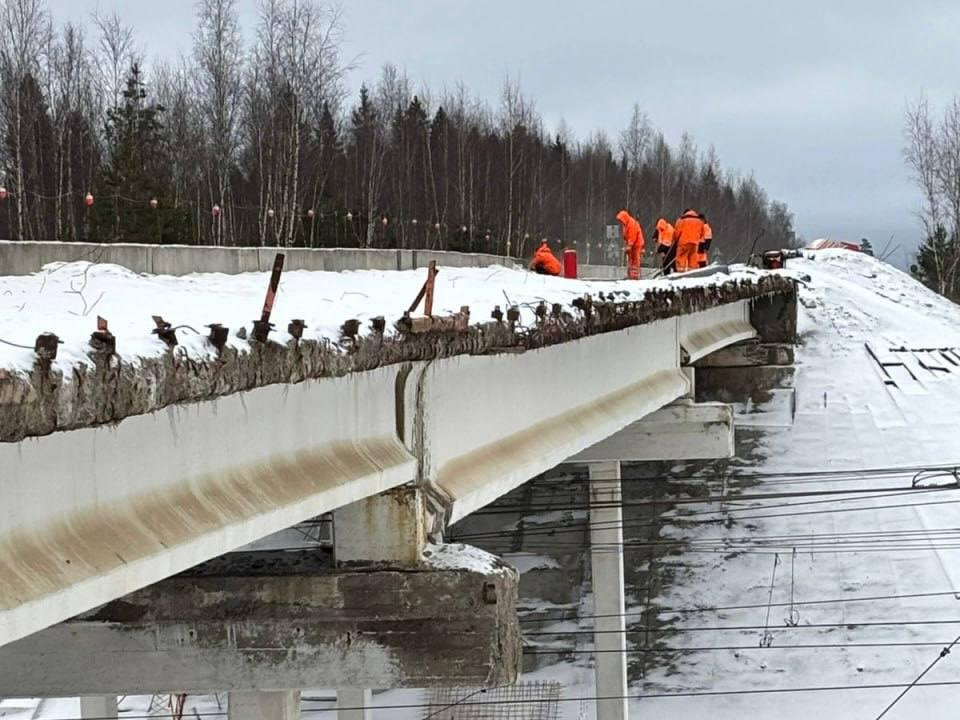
(682, 431)
(90, 515)
(545, 405)
(710, 330)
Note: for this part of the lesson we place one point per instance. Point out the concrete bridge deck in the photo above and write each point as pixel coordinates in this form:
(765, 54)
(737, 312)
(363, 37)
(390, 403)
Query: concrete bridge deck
(188, 471)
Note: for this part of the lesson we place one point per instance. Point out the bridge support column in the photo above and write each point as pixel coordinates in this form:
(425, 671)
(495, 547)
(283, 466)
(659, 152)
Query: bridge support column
(385, 528)
(95, 707)
(284, 705)
(606, 559)
(354, 704)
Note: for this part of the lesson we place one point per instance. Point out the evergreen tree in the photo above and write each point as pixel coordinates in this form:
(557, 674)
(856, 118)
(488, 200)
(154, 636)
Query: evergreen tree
(937, 261)
(866, 247)
(137, 170)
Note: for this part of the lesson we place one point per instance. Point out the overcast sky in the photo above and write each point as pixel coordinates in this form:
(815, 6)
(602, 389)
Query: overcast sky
(807, 94)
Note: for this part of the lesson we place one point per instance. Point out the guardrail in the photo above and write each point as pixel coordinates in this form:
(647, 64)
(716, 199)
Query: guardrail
(24, 258)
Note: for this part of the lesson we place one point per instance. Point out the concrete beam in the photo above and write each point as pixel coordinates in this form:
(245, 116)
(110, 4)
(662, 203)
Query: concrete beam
(473, 461)
(749, 354)
(710, 330)
(389, 527)
(282, 622)
(681, 431)
(85, 520)
(263, 705)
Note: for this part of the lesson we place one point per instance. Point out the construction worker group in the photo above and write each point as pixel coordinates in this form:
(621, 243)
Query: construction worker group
(682, 246)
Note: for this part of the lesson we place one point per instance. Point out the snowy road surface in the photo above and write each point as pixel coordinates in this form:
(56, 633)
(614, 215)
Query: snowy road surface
(67, 298)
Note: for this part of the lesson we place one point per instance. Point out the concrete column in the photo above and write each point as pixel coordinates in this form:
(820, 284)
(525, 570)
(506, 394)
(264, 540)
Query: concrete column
(354, 704)
(606, 561)
(95, 707)
(284, 705)
(388, 528)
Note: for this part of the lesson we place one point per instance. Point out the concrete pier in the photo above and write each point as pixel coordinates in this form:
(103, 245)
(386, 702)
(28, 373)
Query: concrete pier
(606, 557)
(270, 622)
(353, 704)
(264, 705)
(98, 707)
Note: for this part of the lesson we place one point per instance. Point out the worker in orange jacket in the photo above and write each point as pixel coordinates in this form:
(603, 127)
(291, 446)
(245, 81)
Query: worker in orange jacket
(632, 243)
(702, 258)
(666, 248)
(687, 235)
(544, 261)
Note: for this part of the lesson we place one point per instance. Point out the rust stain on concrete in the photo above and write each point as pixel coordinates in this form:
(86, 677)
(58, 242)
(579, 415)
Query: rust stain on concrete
(44, 560)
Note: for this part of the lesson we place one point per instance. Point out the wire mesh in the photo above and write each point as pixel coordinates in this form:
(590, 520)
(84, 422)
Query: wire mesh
(523, 701)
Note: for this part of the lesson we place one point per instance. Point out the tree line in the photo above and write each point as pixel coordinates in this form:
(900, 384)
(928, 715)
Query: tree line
(261, 144)
(932, 153)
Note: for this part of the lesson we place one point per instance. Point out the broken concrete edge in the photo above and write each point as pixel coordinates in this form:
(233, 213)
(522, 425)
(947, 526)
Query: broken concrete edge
(48, 400)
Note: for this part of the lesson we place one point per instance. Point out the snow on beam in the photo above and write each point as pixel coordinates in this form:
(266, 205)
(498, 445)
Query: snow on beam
(681, 431)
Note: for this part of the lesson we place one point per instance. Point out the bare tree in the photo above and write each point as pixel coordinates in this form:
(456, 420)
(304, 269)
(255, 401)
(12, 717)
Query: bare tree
(921, 155)
(516, 111)
(113, 57)
(634, 142)
(218, 56)
(25, 29)
(295, 69)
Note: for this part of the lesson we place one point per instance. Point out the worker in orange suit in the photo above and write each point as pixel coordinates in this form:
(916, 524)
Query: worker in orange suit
(687, 235)
(544, 261)
(633, 243)
(665, 246)
(702, 258)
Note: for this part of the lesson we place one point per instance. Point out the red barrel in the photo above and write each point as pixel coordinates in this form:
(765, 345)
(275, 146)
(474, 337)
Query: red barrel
(570, 264)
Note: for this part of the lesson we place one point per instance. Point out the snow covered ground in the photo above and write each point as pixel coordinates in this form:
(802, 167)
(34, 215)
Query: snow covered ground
(66, 298)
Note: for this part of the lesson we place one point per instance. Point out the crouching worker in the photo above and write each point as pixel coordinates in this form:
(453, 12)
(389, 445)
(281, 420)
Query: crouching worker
(544, 261)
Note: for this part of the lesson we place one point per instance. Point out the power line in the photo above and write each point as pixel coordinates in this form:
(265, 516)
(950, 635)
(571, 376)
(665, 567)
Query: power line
(755, 606)
(578, 699)
(535, 650)
(849, 624)
(943, 654)
(732, 512)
